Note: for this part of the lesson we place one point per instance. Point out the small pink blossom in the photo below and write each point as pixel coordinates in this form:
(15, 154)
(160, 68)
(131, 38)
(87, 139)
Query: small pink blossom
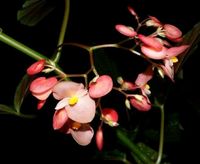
(126, 30)
(81, 133)
(36, 67)
(110, 116)
(76, 100)
(153, 21)
(99, 139)
(172, 32)
(152, 53)
(100, 86)
(152, 42)
(140, 102)
(42, 87)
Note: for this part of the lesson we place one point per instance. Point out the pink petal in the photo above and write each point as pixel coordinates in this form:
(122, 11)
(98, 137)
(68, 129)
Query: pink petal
(36, 67)
(101, 87)
(151, 42)
(41, 84)
(128, 86)
(42, 96)
(62, 103)
(41, 104)
(153, 54)
(172, 32)
(143, 105)
(125, 30)
(59, 118)
(83, 111)
(110, 114)
(132, 11)
(99, 139)
(66, 89)
(174, 51)
(153, 22)
(83, 135)
(144, 77)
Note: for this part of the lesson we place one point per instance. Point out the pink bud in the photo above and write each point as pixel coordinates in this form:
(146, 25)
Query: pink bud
(152, 53)
(140, 102)
(172, 32)
(36, 67)
(125, 30)
(41, 104)
(101, 86)
(132, 11)
(110, 114)
(99, 139)
(151, 42)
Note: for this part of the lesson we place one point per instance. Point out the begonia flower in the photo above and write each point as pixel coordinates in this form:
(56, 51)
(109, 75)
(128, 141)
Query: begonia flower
(81, 133)
(99, 139)
(100, 86)
(36, 67)
(126, 30)
(140, 102)
(109, 116)
(75, 99)
(41, 87)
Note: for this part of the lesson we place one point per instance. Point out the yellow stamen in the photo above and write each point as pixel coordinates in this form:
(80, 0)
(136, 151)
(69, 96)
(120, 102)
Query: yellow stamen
(73, 100)
(174, 59)
(76, 125)
(147, 87)
(138, 97)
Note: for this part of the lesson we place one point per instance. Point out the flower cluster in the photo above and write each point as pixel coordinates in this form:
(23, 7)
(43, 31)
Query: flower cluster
(77, 102)
(76, 105)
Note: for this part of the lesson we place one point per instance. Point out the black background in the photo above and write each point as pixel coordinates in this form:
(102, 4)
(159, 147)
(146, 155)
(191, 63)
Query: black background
(90, 22)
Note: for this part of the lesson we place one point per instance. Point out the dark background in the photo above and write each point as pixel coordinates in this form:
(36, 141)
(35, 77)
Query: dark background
(90, 22)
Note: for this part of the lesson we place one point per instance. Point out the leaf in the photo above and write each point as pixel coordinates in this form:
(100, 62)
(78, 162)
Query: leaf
(151, 153)
(21, 92)
(33, 11)
(114, 155)
(4, 109)
(191, 38)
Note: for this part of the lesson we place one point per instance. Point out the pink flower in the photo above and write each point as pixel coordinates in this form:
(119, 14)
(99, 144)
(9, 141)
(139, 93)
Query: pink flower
(126, 30)
(172, 32)
(152, 53)
(140, 102)
(151, 42)
(110, 116)
(99, 139)
(81, 133)
(153, 22)
(41, 88)
(100, 86)
(76, 100)
(36, 67)
(175, 51)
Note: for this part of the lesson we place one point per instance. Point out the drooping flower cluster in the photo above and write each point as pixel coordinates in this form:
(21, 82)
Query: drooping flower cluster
(77, 102)
(157, 45)
(76, 106)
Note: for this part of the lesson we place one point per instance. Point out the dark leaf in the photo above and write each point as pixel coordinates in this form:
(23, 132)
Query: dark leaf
(33, 11)
(21, 92)
(191, 38)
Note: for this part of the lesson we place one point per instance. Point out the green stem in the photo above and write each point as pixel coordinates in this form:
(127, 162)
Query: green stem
(132, 147)
(21, 47)
(62, 30)
(161, 142)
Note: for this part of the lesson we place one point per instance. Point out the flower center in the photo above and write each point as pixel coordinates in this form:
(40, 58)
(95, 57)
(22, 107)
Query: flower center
(76, 125)
(73, 100)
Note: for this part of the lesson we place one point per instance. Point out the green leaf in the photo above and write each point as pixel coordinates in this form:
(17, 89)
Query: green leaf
(114, 155)
(33, 11)
(191, 38)
(4, 109)
(21, 92)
